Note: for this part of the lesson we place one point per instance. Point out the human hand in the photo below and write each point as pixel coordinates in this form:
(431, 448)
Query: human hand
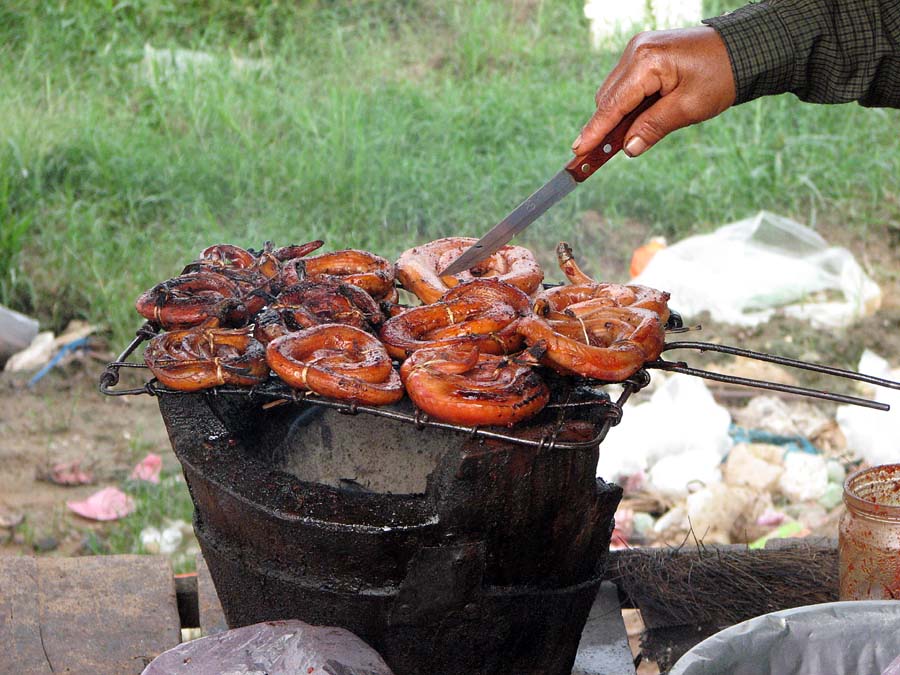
(691, 70)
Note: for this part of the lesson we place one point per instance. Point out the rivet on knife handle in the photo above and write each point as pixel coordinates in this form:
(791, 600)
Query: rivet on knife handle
(582, 166)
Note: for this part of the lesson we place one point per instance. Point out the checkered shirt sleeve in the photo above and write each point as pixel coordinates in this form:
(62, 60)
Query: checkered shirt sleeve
(824, 51)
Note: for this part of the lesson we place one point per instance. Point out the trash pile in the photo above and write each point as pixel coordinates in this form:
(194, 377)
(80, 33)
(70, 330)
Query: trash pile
(693, 468)
(172, 537)
(745, 272)
(774, 467)
(25, 350)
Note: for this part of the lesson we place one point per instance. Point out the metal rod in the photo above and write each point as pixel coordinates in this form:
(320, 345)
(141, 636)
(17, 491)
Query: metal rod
(110, 376)
(783, 361)
(683, 368)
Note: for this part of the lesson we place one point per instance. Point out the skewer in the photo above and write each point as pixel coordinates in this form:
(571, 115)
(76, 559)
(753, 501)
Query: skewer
(681, 367)
(277, 394)
(783, 361)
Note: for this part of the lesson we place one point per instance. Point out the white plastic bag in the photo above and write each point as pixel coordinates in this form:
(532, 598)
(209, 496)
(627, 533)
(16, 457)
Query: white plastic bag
(680, 436)
(743, 271)
(16, 331)
(873, 435)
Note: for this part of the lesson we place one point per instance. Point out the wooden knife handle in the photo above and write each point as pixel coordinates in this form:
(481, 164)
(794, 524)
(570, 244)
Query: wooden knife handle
(582, 166)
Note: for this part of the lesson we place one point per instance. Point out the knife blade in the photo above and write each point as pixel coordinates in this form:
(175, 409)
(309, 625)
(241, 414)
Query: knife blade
(576, 171)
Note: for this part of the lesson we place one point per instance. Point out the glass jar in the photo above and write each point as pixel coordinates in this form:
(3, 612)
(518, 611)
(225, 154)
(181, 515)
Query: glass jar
(869, 535)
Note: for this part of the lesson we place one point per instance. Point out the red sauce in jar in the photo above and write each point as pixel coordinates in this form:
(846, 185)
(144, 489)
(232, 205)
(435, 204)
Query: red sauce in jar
(869, 535)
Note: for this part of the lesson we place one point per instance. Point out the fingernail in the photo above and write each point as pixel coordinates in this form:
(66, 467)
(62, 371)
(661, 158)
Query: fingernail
(576, 143)
(635, 146)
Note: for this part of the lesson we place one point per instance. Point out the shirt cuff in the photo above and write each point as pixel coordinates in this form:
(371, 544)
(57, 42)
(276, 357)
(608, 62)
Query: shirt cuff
(760, 48)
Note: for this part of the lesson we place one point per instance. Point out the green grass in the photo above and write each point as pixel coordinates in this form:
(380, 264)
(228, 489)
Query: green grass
(373, 125)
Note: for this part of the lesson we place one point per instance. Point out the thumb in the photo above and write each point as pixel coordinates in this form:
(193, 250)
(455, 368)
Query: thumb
(651, 126)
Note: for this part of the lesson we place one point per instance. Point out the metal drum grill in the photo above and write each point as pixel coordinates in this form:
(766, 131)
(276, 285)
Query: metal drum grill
(448, 549)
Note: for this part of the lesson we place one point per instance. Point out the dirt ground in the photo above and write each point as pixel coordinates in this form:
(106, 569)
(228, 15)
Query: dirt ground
(64, 417)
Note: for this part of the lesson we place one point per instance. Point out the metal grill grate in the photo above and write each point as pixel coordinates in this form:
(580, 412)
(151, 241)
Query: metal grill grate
(577, 395)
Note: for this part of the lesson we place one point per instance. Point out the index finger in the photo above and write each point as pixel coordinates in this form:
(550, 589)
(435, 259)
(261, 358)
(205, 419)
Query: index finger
(618, 96)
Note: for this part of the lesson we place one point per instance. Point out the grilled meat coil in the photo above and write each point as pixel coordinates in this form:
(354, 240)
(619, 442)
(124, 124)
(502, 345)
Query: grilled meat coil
(200, 358)
(460, 385)
(192, 299)
(371, 272)
(481, 312)
(609, 343)
(337, 361)
(419, 268)
(311, 303)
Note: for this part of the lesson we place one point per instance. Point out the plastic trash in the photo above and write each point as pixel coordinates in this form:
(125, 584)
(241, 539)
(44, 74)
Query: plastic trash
(623, 530)
(148, 469)
(838, 638)
(642, 255)
(609, 19)
(275, 648)
(159, 65)
(872, 435)
(755, 465)
(66, 349)
(16, 331)
(167, 540)
(787, 443)
(69, 473)
(805, 477)
(34, 356)
(743, 272)
(837, 472)
(832, 497)
(73, 339)
(108, 504)
(675, 518)
(719, 511)
(782, 418)
(642, 523)
(677, 437)
(674, 475)
(771, 518)
(788, 530)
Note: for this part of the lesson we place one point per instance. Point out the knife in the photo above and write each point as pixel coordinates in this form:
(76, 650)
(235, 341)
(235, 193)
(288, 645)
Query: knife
(575, 172)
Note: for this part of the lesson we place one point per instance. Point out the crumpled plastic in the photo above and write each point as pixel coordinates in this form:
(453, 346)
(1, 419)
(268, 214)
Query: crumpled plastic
(148, 469)
(275, 648)
(744, 271)
(69, 473)
(168, 539)
(894, 668)
(805, 477)
(872, 434)
(108, 504)
(837, 638)
(16, 331)
(679, 436)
